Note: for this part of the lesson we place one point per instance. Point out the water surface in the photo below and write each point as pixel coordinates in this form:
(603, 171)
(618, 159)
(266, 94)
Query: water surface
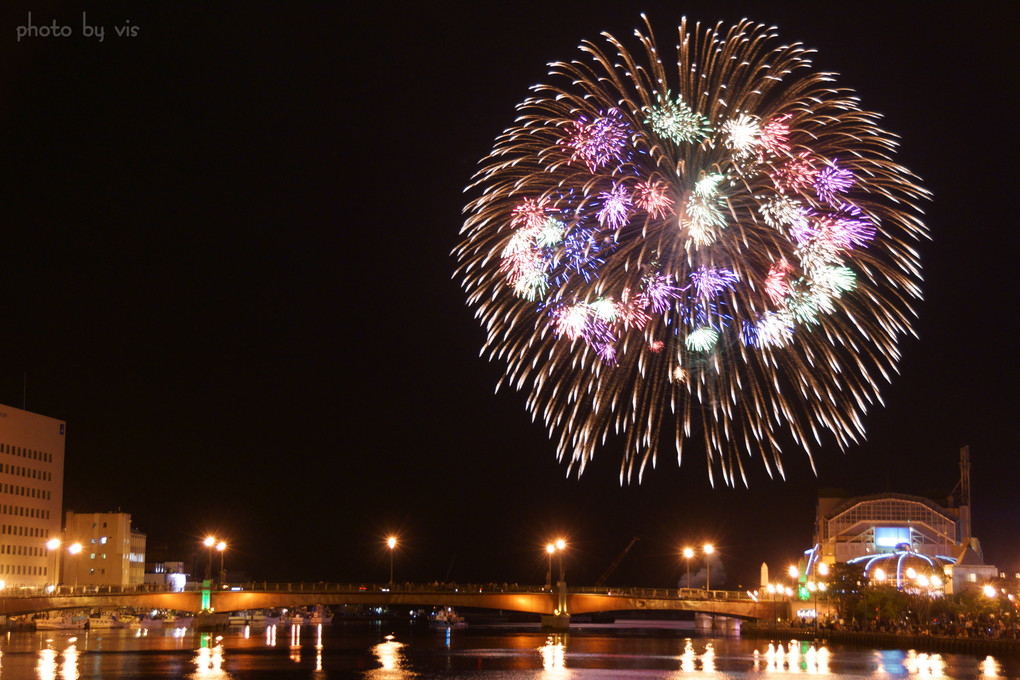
(397, 651)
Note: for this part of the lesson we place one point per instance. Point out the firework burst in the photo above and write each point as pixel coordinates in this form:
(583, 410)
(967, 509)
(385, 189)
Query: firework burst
(715, 249)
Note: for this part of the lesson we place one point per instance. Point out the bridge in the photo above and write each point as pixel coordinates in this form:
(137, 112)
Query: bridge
(560, 602)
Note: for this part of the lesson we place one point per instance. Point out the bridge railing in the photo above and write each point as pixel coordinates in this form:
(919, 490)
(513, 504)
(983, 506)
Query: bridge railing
(666, 593)
(375, 588)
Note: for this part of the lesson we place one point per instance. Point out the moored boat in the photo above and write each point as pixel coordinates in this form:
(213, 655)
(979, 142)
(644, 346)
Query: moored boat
(60, 621)
(108, 620)
(320, 615)
(446, 618)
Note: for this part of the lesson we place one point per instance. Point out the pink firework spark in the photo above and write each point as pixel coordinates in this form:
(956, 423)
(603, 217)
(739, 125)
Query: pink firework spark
(843, 231)
(530, 213)
(520, 263)
(796, 173)
(651, 197)
(571, 321)
(656, 346)
(631, 313)
(775, 283)
(774, 136)
(615, 207)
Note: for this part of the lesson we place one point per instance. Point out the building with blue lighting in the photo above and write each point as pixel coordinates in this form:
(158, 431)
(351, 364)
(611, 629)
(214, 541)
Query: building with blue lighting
(902, 538)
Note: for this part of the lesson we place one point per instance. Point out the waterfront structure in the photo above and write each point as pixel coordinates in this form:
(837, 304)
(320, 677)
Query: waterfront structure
(162, 574)
(892, 533)
(112, 554)
(31, 495)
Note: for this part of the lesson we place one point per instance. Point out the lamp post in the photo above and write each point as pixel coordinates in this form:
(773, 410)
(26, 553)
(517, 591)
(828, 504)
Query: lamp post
(561, 545)
(391, 543)
(816, 588)
(222, 546)
(688, 554)
(74, 549)
(821, 570)
(53, 545)
(772, 592)
(550, 549)
(209, 542)
(709, 549)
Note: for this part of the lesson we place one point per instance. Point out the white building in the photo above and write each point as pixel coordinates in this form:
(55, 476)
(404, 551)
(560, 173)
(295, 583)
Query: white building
(31, 495)
(891, 533)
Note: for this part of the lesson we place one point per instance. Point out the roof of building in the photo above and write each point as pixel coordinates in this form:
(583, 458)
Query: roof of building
(857, 500)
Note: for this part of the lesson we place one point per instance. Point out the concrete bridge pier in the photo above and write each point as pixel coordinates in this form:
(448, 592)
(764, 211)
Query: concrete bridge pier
(706, 623)
(560, 618)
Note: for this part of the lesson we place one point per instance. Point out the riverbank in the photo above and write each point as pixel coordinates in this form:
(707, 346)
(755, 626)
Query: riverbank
(879, 640)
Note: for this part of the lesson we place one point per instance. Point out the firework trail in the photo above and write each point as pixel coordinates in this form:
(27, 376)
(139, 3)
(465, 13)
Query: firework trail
(713, 246)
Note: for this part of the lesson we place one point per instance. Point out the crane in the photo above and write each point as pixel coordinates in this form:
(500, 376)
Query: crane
(616, 563)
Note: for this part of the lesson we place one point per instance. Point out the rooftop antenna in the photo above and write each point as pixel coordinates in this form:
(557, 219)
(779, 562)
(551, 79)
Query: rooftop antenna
(965, 490)
(964, 487)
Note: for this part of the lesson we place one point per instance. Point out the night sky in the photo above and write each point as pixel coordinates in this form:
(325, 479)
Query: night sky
(226, 265)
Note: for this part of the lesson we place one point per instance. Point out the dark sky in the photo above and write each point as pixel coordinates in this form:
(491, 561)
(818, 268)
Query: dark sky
(226, 264)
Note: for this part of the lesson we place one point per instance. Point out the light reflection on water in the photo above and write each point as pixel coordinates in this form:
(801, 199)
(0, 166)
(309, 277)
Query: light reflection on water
(554, 654)
(389, 658)
(380, 652)
(47, 666)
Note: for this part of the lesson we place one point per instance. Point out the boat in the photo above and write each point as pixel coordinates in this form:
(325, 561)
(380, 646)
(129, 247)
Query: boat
(446, 618)
(320, 615)
(177, 620)
(61, 621)
(294, 618)
(147, 621)
(108, 620)
(239, 619)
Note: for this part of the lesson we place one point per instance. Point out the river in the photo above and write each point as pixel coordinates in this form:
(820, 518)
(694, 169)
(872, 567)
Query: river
(383, 650)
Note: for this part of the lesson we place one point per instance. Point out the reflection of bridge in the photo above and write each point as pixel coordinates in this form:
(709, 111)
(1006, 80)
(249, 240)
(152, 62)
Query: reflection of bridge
(507, 597)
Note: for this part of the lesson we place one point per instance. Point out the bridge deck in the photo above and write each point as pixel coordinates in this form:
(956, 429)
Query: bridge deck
(533, 599)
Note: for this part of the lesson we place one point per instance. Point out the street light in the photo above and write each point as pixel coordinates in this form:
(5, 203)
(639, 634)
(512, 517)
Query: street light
(391, 543)
(772, 591)
(688, 554)
(550, 549)
(53, 545)
(816, 588)
(209, 542)
(709, 549)
(222, 546)
(74, 549)
(561, 545)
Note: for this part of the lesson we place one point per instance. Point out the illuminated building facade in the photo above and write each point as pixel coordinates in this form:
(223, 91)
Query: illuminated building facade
(31, 495)
(112, 554)
(894, 534)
